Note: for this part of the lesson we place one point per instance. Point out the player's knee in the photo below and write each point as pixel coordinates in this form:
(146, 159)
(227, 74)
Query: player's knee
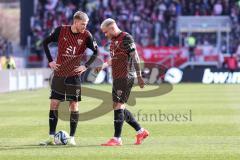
(117, 106)
(54, 104)
(73, 106)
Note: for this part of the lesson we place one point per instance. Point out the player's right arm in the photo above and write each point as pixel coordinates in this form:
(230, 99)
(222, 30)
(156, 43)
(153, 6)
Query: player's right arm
(53, 37)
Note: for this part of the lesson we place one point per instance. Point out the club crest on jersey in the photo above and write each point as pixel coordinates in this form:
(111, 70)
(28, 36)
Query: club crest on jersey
(116, 42)
(79, 41)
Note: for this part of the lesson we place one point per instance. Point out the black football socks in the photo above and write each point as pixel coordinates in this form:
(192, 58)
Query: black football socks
(74, 116)
(118, 122)
(129, 118)
(53, 119)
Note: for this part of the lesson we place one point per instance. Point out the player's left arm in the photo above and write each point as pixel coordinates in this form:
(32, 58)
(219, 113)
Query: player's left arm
(132, 50)
(92, 44)
(136, 61)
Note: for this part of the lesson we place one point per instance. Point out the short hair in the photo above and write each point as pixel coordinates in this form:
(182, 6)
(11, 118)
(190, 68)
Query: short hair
(107, 22)
(81, 16)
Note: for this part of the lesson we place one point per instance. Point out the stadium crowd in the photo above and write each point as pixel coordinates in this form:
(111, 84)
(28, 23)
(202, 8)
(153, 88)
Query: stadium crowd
(151, 22)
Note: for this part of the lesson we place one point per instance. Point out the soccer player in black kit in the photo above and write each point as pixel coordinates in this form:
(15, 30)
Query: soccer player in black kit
(72, 42)
(125, 64)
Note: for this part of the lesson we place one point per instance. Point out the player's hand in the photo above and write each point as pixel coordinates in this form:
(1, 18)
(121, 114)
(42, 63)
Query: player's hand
(104, 65)
(141, 82)
(53, 65)
(80, 69)
(97, 69)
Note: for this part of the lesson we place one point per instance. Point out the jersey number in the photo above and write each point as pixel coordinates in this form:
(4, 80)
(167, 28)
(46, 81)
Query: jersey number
(71, 50)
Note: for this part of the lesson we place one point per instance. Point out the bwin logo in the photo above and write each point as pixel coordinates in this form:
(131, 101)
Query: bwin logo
(220, 77)
(71, 50)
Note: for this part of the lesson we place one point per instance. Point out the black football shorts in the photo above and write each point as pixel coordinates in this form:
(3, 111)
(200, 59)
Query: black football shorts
(66, 88)
(121, 89)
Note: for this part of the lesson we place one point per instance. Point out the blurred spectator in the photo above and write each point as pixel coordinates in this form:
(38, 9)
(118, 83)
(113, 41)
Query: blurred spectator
(238, 52)
(9, 63)
(9, 48)
(6, 47)
(232, 63)
(207, 49)
(191, 42)
(51, 4)
(218, 8)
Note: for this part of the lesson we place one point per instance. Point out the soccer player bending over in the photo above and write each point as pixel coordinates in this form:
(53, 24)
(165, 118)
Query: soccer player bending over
(124, 62)
(72, 42)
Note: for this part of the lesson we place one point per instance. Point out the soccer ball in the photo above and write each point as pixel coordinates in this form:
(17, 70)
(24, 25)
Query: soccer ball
(61, 138)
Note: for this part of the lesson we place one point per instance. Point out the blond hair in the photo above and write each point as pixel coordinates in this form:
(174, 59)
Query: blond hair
(81, 16)
(107, 22)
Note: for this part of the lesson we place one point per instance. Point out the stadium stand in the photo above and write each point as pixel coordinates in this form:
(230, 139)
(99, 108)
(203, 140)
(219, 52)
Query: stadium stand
(151, 22)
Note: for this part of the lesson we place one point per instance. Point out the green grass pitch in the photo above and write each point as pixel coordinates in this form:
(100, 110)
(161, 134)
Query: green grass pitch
(212, 133)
